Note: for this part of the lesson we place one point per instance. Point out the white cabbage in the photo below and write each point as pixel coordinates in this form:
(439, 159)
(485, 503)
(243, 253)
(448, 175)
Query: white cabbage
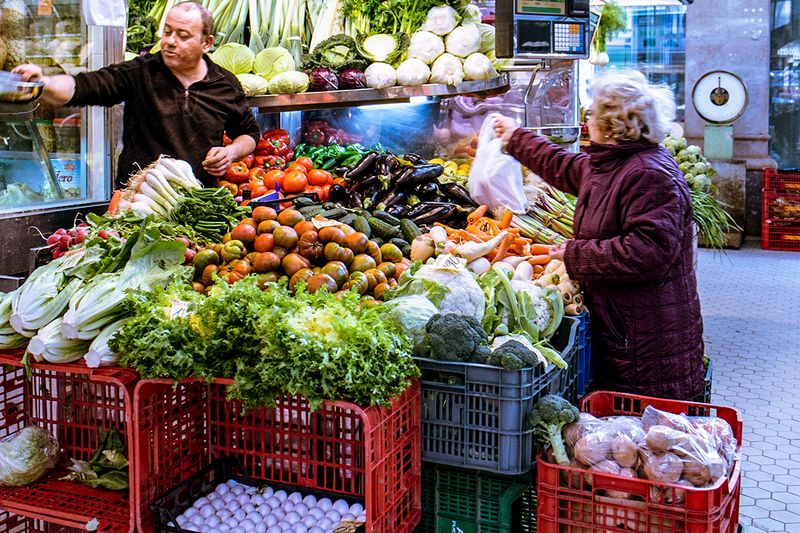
(425, 46)
(447, 69)
(413, 72)
(463, 40)
(441, 20)
(478, 67)
(380, 76)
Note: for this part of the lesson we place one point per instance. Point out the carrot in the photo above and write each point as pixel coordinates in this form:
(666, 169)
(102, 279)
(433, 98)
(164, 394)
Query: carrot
(113, 205)
(539, 260)
(539, 249)
(502, 250)
(478, 213)
(505, 222)
(448, 229)
(538, 269)
(467, 236)
(477, 232)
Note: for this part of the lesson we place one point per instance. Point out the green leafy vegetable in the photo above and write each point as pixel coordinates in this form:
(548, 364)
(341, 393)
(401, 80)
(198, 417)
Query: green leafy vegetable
(26, 456)
(383, 47)
(108, 466)
(337, 53)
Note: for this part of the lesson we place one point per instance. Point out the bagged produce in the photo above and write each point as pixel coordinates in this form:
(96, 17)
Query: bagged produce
(25, 456)
(495, 178)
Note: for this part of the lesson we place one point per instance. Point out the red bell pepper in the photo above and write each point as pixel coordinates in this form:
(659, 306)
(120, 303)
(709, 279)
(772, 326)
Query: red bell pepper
(249, 160)
(276, 134)
(257, 174)
(238, 173)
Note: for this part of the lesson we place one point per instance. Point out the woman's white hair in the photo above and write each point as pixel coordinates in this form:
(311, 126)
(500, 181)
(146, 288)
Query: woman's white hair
(627, 108)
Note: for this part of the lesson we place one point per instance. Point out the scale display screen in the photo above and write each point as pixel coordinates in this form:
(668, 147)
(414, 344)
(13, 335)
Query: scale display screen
(541, 7)
(551, 37)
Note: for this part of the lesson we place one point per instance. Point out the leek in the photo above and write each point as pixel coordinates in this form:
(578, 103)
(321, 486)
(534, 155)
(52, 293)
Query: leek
(51, 346)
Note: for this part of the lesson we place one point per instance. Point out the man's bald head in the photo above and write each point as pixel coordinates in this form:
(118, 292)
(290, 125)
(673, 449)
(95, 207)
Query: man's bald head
(206, 18)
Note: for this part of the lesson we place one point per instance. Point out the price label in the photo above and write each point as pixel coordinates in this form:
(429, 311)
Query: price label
(323, 223)
(449, 262)
(178, 309)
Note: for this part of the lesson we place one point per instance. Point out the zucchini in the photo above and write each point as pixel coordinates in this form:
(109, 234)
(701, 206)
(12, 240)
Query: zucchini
(386, 217)
(409, 229)
(400, 243)
(361, 224)
(377, 241)
(382, 229)
(334, 214)
(348, 219)
(311, 211)
(303, 201)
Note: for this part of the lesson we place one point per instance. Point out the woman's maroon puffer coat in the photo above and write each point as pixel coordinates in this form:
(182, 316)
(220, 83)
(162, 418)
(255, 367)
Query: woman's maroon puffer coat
(633, 253)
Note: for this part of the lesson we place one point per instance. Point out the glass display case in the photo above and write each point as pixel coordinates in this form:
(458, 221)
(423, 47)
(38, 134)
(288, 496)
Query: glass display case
(51, 157)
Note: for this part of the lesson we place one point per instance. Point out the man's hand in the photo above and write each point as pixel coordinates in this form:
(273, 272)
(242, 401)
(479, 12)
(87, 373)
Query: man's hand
(504, 128)
(29, 72)
(218, 160)
(557, 251)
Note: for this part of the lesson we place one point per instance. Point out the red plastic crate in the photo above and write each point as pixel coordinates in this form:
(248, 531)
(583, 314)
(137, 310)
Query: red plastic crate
(11, 523)
(780, 235)
(782, 180)
(567, 506)
(72, 402)
(372, 454)
(783, 206)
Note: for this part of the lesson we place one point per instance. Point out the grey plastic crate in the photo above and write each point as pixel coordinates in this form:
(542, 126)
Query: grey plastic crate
(473, 416)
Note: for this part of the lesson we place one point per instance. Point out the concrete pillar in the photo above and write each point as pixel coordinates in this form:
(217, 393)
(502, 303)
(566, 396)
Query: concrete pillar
(734, 35)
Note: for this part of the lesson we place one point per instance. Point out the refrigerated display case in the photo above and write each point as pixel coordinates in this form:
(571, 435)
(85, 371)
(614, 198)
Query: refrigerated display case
(54, 161)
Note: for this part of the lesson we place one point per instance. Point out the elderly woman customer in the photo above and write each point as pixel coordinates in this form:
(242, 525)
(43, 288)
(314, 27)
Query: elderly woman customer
(633, 241)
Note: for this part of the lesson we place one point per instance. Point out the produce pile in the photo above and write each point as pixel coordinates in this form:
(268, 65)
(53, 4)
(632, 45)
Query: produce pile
(708, 212)
(236, 505)
(346, 44)
(658, 446)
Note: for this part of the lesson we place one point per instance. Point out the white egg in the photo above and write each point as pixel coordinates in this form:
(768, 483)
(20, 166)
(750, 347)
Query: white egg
(287, 506)
(295, 497)
(261, 527)
(207, 511)
(362, 517)
(248, 507)
(239, 514)
(273, 502)
(228, 497)
(231, 483)
(222, 488)
(275, 529)
(316, 512)
(243, 499)
(257, 499)
(341, 506)
(281, 495)
(198, 520)
(248, 525)
(309, 521)
(292, 517)
(268, 492)
(334, 515)
(224, 528)
(299, 528)
(316, 529)
(218, 504)
(201, 502)
(213, 521)
(356, 509)
(238, 489)
(238, 529)
(325, 504)
(271, 520)
(325, 523)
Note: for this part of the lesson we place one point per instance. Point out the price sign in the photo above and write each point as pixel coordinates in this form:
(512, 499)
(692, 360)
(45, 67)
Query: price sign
(449, 262)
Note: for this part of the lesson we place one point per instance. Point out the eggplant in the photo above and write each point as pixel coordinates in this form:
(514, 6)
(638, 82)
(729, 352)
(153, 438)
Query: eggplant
(415, 159)
(363, 167)
(382, 165)
(354, 199)
(392, 161)
(441, 212)
(374, 199)
(337, 193)
(341, 171)
(396, 210)
(423, 207)
(426, 191)
(420, 174)
(367, 183)
(458, 194)
(400, 172)
(395, 197)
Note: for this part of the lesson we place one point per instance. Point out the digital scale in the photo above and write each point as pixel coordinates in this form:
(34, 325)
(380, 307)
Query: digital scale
(543, 28)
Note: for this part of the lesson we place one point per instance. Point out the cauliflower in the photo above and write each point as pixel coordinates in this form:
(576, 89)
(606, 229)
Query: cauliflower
(451, 291)
(500, 340)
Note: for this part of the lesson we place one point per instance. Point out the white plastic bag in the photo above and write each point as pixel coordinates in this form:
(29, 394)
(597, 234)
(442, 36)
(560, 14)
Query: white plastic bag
(495, 178)
(105, 12)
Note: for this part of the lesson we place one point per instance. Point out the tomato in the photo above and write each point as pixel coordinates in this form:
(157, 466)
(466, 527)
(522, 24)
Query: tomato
(306, 162)
(257, 173)
(339, 181)
(315, 190)
(273, 177)
(326, 193)
(258, 189)
(228, 185)
(319, 177)
(296, 167)
(294, 182)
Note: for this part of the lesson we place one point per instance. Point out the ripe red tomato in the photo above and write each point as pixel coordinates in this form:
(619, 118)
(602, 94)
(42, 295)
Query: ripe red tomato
(319, 177)
(306, 162)
(273, 177)
(294, 182)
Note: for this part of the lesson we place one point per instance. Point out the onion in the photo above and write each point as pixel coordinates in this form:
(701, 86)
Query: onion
(231, 483)
(299, 528)
(316, 512)
(232, 522)
(224, 528)
(287, 506)
(222, 488)
(270, 520)
(248, 507)
(207, 510)
(284, 525)
(218, 503)
(190, 512)
(243, 499)
(238, 489)
(248, 525)
(362, 517)
(273, 502)
(268, 492)
(232, 506)
(261, 527)
(295, 497)
(214, 530)
(239, 515)
(325, 523)
(228, 497)
(316, 529)
(278, 513)
(334, 515)
(257, 500)
(275, 529)
(309, 521)
(198, 520)
(224, 514)
(200, 502)
(213, 521)
(238, 529)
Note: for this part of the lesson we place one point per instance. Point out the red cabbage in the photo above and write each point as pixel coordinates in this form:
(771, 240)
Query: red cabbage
(352, 78)
(323, 79)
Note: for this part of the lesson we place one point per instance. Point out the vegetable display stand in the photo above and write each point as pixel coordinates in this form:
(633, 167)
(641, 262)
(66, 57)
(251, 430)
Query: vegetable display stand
(568, 503)
(367, 454)
(11, 523)
(782, 180)
(73, 403)
(780, 210)
(473, 415)
(454, 499)
(585, 369)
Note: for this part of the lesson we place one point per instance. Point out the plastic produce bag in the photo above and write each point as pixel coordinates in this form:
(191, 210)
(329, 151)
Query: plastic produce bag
(495, 178)
(26, 456)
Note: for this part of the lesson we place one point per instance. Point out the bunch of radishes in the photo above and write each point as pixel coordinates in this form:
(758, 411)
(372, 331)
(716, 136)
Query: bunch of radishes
(236, 508)
(61, 240)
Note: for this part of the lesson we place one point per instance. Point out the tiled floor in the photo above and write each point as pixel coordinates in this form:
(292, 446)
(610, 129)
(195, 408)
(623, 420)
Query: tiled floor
(751, 307)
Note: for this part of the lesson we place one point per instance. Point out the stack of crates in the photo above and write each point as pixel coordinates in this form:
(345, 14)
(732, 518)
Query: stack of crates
(780, 216)
(477, 471)
(585, 368)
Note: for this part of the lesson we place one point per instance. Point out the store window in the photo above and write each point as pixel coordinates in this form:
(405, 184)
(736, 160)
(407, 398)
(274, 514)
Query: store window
(50, 156)
(785, 84)
(654, 44)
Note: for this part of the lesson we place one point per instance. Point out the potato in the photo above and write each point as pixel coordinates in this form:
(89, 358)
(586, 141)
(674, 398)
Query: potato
(605, 467)
(593, 448)
(662, 439)
(664, 468)
(696, 473)
(574, 432)
(624, 451)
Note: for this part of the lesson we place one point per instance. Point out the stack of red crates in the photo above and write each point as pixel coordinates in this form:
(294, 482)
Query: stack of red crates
(780, 226)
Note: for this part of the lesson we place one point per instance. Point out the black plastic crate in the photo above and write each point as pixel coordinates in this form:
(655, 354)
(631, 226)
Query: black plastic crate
(473, 416)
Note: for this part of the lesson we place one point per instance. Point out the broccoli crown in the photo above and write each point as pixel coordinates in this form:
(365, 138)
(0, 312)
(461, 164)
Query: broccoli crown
(514, 351)
(481, 355)
(550, 414)
(454, 337)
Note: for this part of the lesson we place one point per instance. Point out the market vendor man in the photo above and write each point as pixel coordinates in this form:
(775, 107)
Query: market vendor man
(177, 101)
